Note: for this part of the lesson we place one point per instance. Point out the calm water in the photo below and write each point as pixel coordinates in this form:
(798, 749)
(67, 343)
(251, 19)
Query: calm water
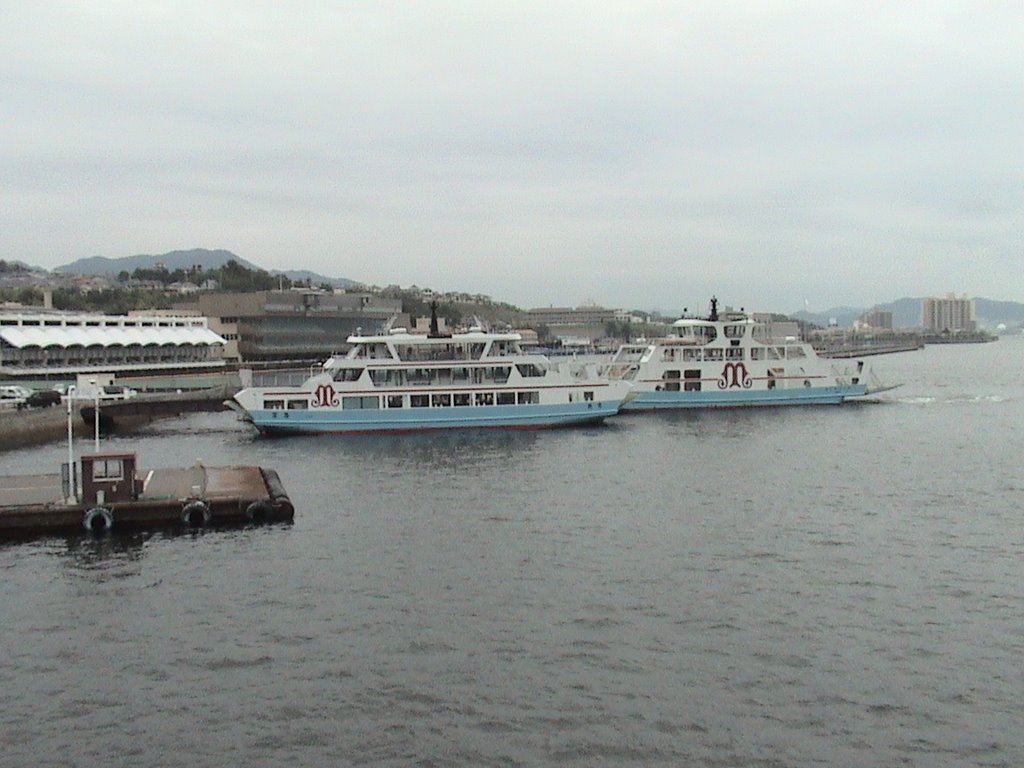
(832, 586)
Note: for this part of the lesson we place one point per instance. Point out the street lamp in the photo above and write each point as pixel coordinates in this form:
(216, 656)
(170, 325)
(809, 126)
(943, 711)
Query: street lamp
(96, 416)
(72, 490)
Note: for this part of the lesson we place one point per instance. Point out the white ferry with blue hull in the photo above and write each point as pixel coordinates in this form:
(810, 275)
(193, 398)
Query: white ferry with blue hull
(405, 382)
(731, 360)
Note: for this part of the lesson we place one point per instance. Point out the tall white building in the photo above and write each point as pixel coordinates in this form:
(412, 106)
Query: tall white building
(949, 314)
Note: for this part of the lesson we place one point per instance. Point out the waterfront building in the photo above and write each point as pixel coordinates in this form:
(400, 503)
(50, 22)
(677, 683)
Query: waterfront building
(949, 315)
(302, 324)
(43, 342)
(579, 316)
(878, 319)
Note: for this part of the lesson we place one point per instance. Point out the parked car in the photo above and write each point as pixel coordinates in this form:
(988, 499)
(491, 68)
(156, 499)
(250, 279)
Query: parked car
(14, 396)
(43, 398)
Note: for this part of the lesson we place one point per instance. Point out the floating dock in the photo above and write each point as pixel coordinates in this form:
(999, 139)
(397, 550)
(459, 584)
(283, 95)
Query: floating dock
(112, 494)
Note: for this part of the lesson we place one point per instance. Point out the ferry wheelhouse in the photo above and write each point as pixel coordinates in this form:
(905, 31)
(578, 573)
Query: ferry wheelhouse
(731, 360)
(401, 381)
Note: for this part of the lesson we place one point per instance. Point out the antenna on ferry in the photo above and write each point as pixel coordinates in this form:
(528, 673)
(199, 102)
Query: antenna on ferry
(714, 310)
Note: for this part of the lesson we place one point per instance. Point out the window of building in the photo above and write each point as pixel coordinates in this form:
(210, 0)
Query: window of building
(107, 469)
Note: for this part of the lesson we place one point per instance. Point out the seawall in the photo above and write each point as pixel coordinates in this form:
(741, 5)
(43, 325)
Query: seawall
(35, 426)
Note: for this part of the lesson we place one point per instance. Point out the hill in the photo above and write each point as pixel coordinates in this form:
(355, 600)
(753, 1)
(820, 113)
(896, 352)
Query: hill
(201, 257)
(101, 265)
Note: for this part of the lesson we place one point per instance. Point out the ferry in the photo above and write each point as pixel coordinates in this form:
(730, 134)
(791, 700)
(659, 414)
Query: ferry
(731, 360)
(400, 381)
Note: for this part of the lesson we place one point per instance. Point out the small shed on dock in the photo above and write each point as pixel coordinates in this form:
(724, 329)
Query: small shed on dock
(108, 477)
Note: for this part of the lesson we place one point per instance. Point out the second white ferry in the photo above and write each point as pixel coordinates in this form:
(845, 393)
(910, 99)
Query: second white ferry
(731, 360)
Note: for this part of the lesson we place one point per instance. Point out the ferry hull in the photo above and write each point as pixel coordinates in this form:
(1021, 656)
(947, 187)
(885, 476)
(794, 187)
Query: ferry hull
(656, 401)
(283, 422)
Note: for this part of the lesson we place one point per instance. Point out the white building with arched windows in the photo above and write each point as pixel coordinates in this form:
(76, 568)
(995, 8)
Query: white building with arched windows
(35, 342)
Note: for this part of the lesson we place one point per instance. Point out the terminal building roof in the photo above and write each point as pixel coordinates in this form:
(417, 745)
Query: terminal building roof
(54, 330)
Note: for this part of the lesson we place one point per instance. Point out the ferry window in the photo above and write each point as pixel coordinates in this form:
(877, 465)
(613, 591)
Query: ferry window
(692, 385)
(484, 398)
(107, 469)
(500, 375)
(273, 405)
(668, 356)
(460, 374)
(382, 376)
(713, 354)
(419, 401)
(588, 396)
(418, 376)
(528, 398)
(360, 403)
(348, 374)
(795, 353)
(394, 401)
(441, 401)
(757, 353)
(506, 398)
(673, 374)
(734, 331)
(298, 405)
(692, 373)
(689, 355)
(776, 353)
(460, 398)
(734, 353)
(672, 386)
(529, 370)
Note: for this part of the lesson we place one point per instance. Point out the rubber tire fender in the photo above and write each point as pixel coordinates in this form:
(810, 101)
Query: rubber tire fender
(98, 520)
(195, 514)
(259, 511)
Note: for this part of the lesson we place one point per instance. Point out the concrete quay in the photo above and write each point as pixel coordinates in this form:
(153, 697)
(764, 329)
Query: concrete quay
(38, 426)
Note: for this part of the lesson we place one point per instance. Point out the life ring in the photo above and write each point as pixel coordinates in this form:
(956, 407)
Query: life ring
(195, 514)
(259, 512)
(98, 520)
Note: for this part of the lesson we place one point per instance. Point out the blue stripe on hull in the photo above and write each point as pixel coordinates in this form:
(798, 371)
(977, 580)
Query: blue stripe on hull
(423, 419)
(654, 401)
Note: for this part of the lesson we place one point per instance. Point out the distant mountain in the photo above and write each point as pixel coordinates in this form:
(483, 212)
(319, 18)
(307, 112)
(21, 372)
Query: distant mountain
(101, 265)
(202, 257)
(841, 316)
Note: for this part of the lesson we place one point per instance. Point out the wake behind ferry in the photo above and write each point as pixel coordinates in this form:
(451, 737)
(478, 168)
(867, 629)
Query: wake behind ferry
(732, 360)
(400, 381)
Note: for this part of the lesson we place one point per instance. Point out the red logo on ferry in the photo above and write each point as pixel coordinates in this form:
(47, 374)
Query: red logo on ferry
(325, 397)
(734, 376)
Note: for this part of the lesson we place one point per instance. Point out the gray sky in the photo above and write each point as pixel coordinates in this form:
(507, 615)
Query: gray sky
(634, 154)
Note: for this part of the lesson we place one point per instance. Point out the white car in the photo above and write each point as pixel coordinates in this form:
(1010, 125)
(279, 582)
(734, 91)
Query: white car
(14, 396)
